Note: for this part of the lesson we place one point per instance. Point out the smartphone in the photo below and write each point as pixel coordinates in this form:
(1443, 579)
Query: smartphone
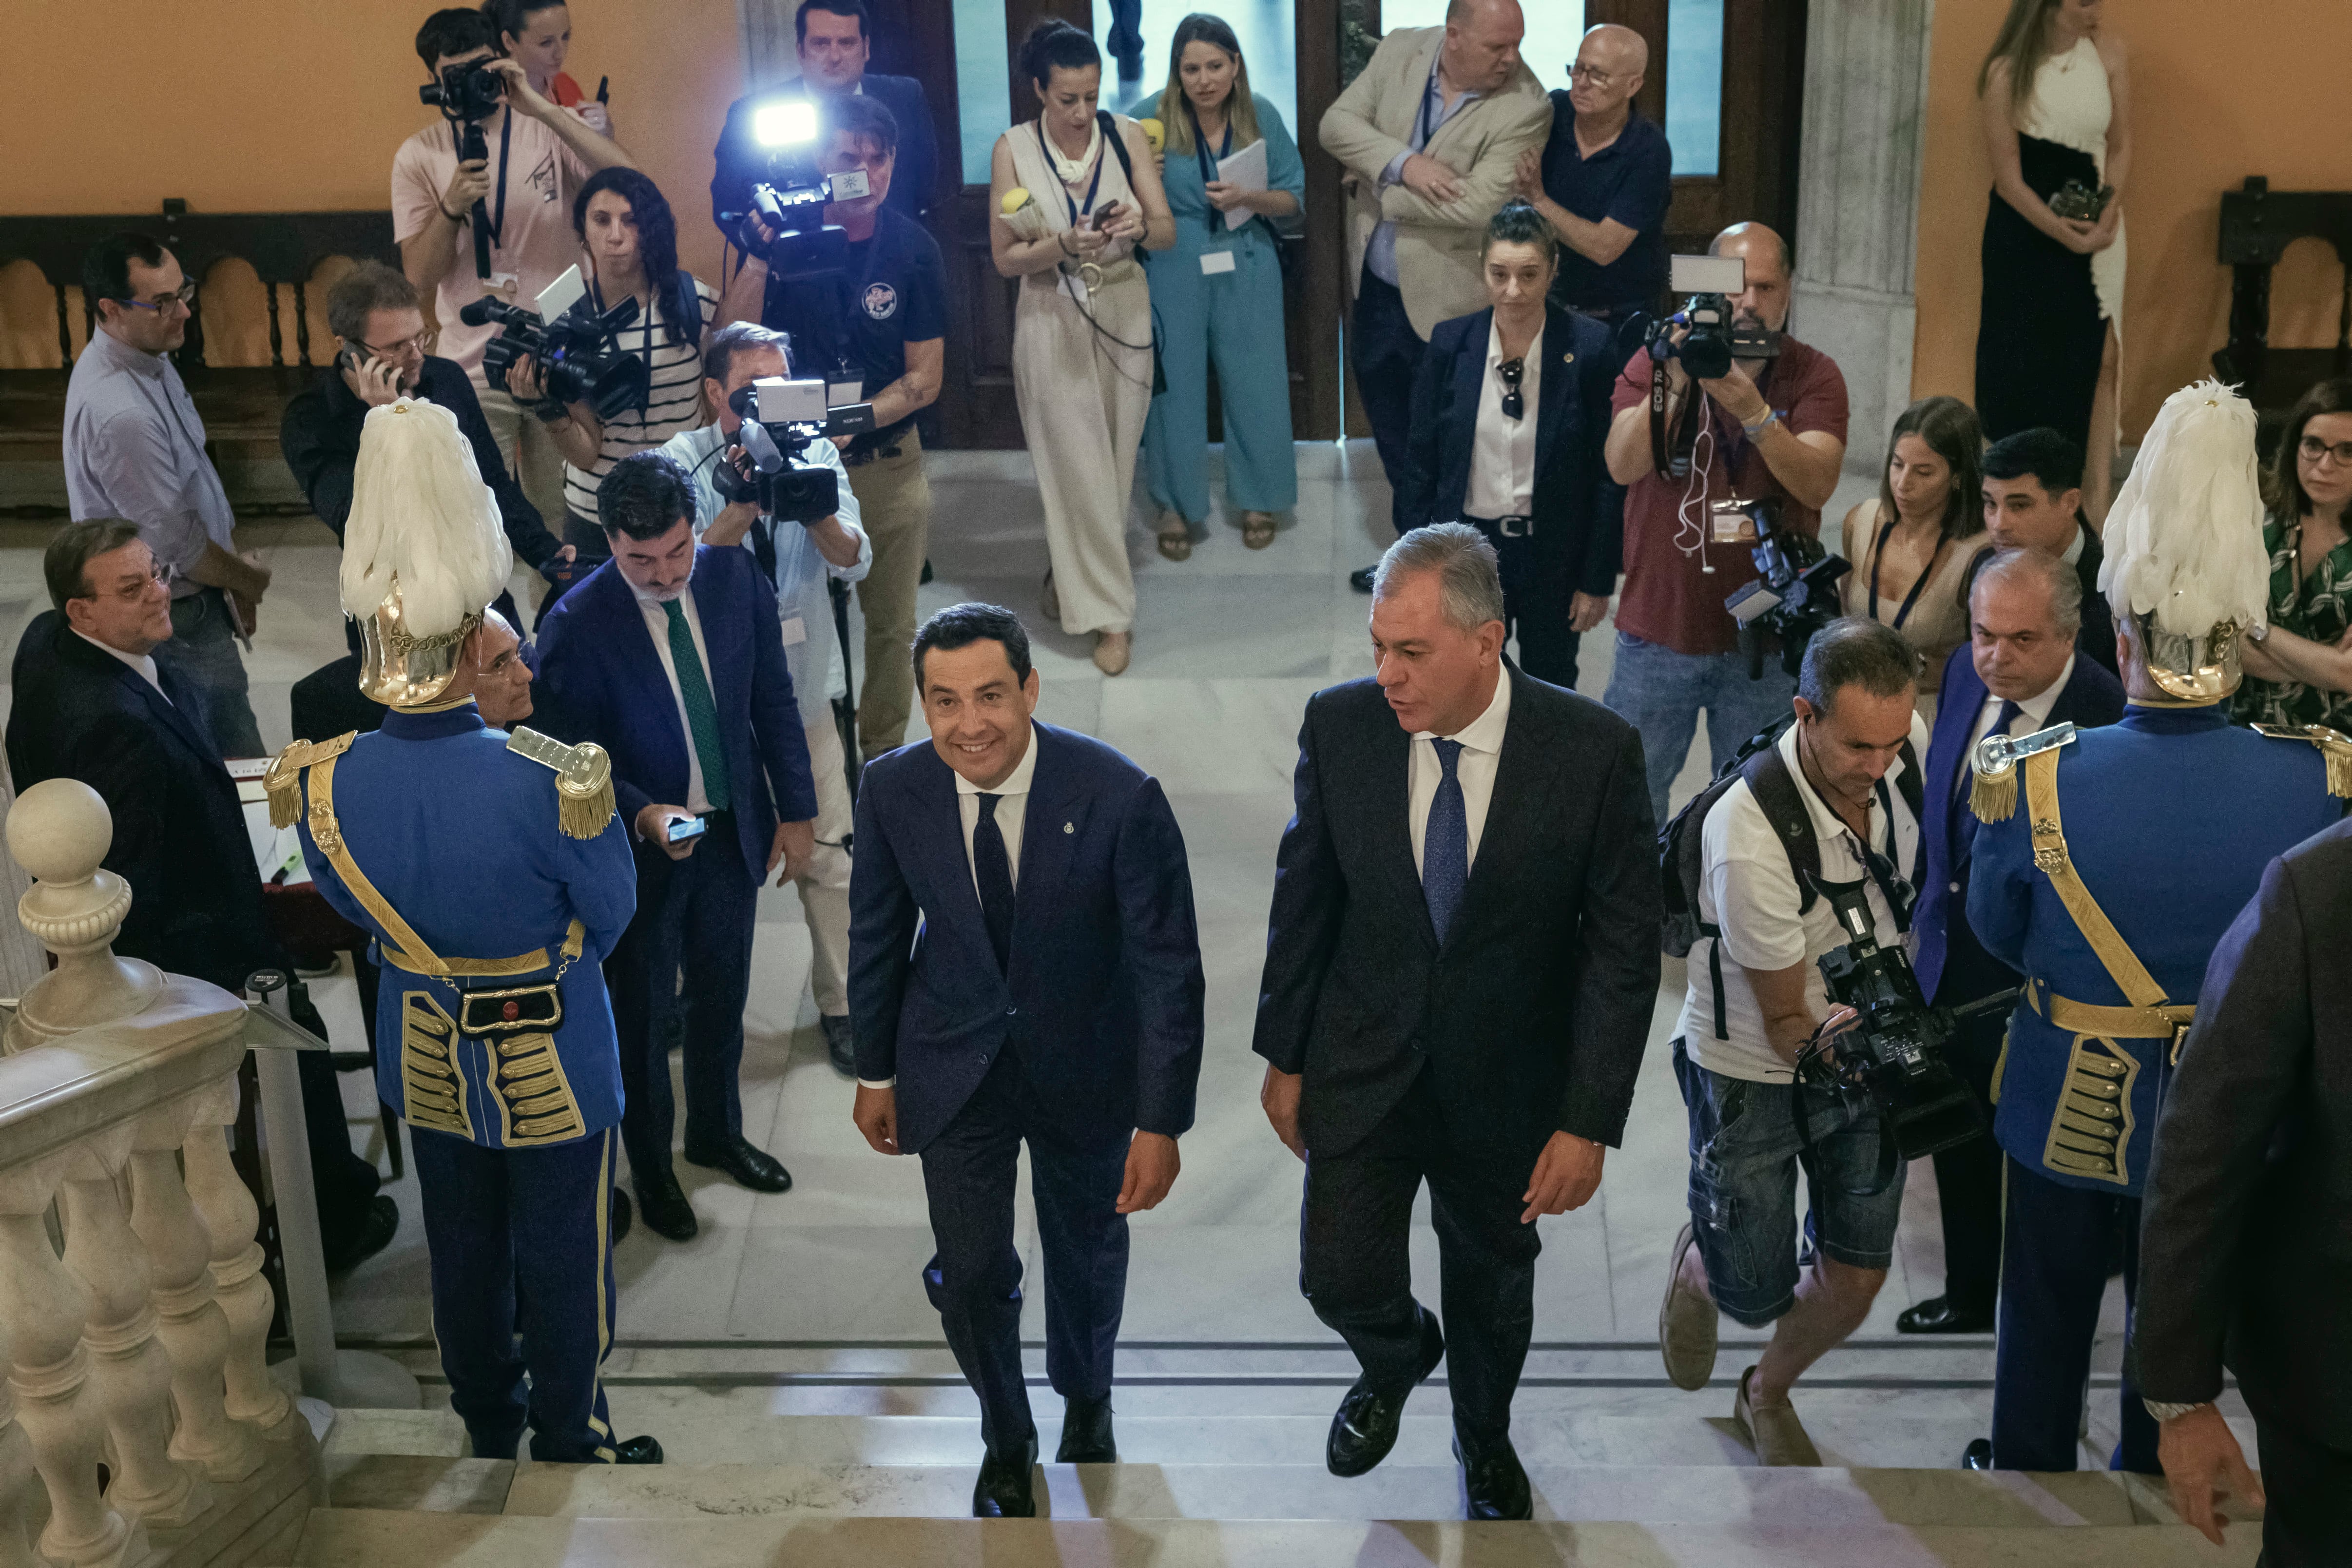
(1108, 215)
(685, 827)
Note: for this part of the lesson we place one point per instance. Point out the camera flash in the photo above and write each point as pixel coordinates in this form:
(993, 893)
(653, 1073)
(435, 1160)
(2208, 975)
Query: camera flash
(790, 124)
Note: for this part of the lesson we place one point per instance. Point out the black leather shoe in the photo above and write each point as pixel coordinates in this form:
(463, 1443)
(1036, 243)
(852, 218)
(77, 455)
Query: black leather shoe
(1003, 1490)
(623, 1215)
(375, 1233)
(638, 1451)
(1086, 1434)
(1360, 579)
(753, 1168)
(840, 1044)
(1494, 1482)
(663, 1202)
(1364, 1427)
(1940, 1316)
(1978, 1455)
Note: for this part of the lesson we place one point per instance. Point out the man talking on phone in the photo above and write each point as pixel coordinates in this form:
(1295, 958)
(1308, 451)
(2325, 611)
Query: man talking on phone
(379, 326)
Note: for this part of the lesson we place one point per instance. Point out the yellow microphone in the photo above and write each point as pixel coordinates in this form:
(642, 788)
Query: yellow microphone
(1155, 133)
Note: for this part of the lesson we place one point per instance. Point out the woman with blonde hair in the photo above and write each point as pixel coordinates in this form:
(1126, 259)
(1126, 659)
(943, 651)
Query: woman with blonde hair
(2057, 123)
(1217, 293)
(1082, 359)
(1911, 547)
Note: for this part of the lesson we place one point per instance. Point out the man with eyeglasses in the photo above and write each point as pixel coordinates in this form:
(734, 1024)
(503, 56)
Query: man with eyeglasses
(379, 326)
(135, 449)
(1603, 181)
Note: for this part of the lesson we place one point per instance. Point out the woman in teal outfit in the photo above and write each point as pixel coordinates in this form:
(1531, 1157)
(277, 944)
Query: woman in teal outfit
(1217, 294)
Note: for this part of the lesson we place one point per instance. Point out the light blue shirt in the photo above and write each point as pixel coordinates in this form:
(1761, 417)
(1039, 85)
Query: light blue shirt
(801, 600)
(135, 449)
(1381, 255)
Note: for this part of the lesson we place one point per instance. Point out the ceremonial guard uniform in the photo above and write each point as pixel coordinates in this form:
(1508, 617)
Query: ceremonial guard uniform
(2137, 846)
(494, 875)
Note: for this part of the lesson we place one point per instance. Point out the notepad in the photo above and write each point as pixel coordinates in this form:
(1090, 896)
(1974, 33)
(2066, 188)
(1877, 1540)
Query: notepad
(1246, 170)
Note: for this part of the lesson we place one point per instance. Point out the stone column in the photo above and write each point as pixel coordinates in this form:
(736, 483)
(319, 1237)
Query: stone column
(1858, 203)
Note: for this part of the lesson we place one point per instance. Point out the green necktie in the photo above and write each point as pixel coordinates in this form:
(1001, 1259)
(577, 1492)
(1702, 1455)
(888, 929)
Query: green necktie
(701, 707)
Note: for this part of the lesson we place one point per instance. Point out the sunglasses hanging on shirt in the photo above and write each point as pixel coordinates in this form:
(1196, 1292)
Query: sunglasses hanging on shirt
(1514, 404)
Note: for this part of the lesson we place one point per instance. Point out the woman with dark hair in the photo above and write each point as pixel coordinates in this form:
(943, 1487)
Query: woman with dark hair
(2057, 123)
(631, 242)
(537, 34)
(1909, 547)
(1081, 180)
(1217, 292)
(2299, 671)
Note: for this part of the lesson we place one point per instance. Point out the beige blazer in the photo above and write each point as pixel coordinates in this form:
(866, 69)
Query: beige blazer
(1437, 247)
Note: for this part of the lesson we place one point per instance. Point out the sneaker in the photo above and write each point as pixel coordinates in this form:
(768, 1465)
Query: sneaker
(1686, 1323)
(1773, 1431)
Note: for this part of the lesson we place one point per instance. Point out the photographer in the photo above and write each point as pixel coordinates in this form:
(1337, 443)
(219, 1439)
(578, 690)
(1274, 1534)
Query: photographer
(1753, 1004)
(631, 241)
(895, 303)
(534, 154)
(380, 358)
(797, 559)
(1771, 429)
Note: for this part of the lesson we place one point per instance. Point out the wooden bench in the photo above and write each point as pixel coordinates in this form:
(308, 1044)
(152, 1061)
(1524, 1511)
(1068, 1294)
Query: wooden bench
(2258, 223)
(240, 404)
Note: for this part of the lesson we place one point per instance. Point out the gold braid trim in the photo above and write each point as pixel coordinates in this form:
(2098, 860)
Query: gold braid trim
(584, 779)
(283, 782)
(2336, 749)
(1992, 798)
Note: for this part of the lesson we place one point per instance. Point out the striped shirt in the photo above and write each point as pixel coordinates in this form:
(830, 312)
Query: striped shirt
(671, 404)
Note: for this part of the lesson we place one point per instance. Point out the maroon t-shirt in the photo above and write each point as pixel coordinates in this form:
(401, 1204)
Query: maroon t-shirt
(1670, 598)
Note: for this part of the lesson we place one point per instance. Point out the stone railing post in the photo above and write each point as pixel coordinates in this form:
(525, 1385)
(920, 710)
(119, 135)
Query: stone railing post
(16, 1481)
(232, 1220)
(193, 1329)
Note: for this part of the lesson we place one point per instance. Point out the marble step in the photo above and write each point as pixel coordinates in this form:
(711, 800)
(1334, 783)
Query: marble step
(367, 1538)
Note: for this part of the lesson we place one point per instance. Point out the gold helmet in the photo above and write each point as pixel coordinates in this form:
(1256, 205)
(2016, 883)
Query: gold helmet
(2186, 570)
(424, 552)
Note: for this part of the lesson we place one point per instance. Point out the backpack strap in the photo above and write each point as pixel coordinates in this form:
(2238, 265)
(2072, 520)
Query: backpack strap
(1775, 794)
(1117, 143)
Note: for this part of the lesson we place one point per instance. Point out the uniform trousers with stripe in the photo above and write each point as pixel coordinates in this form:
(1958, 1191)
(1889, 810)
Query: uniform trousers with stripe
(522, 1289)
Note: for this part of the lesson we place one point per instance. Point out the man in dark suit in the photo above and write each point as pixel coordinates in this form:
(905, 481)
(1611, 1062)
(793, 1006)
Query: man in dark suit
(2022, 675)
(2243, 1256)
(93, 703)
(671, 657)
(2033, 501)
(1430, 1012)
(1511, 408)
(835, 40)
(1022, 966)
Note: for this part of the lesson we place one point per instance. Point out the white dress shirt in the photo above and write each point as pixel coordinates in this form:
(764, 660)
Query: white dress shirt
(1011, 806)
(657, 627)
(2032, 713)
(144, 663)
(1482, 750)
(1503, 450)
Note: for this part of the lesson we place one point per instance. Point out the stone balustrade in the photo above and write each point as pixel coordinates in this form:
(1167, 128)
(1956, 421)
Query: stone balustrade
(137, 1391)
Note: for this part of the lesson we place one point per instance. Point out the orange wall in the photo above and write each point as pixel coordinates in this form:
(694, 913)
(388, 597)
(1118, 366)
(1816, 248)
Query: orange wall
(2214, 100)
(298, 105)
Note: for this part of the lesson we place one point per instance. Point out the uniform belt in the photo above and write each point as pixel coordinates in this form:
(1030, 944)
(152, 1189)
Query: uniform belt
(2118, 1023)
(1513, 527)
(574, 938)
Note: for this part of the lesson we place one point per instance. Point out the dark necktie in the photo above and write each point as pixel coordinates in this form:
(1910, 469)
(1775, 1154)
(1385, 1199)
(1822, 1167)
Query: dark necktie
(1446, 842)
(993, 869)
(701, 707)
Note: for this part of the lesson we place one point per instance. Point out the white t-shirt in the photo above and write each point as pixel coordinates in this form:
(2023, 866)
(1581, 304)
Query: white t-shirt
(673, 398)
(1747, 891)
(535, 241)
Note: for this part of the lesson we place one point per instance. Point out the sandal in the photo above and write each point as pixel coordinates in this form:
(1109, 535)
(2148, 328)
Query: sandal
(1257, 529)
(1176, 541)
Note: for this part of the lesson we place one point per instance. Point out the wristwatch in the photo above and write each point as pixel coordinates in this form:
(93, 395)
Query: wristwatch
(2163, 1412)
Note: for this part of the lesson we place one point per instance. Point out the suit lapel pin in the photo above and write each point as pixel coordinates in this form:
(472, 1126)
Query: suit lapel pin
(1069, 828)
(1568, 359)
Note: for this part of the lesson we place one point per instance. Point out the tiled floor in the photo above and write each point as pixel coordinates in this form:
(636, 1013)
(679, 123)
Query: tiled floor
(1228, 646)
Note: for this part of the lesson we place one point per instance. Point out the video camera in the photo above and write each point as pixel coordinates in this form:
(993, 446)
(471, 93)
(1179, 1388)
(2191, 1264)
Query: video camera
(1714, 337)
(808, 259)
(780, 418)
(579, 357)
(1893, 1055)
(1795, 593)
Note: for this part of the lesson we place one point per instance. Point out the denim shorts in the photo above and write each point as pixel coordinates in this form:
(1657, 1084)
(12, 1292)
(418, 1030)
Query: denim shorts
(1744, 1153)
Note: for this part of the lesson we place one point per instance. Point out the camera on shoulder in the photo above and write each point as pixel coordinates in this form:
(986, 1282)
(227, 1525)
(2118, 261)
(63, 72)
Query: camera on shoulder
(780, 418)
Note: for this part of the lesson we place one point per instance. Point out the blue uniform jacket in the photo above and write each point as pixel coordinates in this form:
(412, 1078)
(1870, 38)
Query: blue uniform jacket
(600, 680)
(2170, 817)
(1104, 1000)
(459, 835)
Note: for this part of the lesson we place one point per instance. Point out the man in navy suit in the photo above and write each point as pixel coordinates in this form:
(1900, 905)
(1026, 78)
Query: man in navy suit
(671, 657)
(2023, 674)
(1022, 965)
(1511, 408)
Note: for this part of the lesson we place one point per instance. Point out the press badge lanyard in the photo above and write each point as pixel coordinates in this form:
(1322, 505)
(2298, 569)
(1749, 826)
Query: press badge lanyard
(505, 144)
(1209, 166)
(1076, 212)
(1877, 551)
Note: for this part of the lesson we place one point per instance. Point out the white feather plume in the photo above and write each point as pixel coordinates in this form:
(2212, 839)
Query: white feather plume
(2184, 540)
(421, 513)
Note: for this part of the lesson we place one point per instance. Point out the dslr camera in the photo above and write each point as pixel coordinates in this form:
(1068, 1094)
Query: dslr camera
(1795, 593)
(780, 418)
(579, 358)
(1893, 1055)
(466, 92)
(1713, 339)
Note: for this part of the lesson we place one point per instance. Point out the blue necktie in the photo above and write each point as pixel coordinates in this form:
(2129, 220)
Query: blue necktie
(993, 869)
(1446, 842)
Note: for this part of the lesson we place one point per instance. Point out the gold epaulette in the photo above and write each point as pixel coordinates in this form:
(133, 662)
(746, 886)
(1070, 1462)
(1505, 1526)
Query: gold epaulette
(1993, 795)
(584, 779)
(2336, 747)
(284, 780)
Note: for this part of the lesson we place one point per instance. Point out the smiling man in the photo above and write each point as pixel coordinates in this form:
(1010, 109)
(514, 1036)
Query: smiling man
(1459, 971)
(1023, 966)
